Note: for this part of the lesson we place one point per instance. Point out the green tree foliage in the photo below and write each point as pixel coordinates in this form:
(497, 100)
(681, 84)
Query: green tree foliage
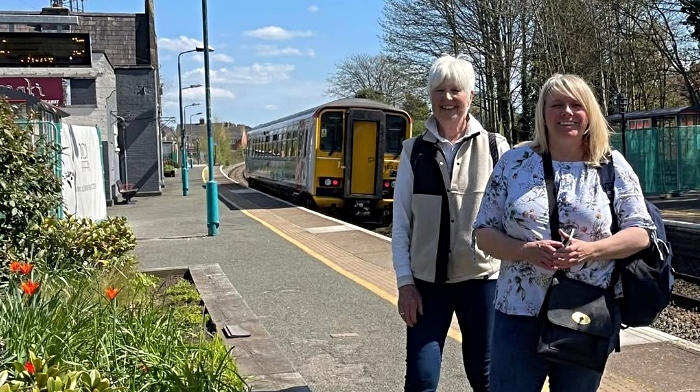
(222, 150)
(372, 94)
(419, 110)
(692, 10)
(29, 188)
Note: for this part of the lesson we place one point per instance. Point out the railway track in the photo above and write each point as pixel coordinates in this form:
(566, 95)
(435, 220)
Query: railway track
(686, 292)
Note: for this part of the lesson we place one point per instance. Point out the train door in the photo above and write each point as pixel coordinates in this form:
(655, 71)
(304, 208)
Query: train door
(364, 153)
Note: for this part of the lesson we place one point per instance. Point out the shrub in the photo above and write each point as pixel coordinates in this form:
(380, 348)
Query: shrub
(80, 242)
(29, 188)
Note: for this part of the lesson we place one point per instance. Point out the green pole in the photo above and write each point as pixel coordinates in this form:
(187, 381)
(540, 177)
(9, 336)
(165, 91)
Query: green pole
(59, 164)
(212, 186)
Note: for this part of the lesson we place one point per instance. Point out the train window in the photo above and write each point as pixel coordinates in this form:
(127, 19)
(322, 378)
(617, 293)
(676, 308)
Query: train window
(331, 132)
(395, 133)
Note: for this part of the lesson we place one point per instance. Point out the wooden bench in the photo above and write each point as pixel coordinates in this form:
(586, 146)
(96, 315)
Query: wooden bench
(128, 191)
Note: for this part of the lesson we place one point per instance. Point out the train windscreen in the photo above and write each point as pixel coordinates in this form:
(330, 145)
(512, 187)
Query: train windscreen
(395, 133)
(331, 132)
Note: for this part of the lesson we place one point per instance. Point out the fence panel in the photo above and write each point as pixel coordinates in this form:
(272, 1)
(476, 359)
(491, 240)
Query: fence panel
(665, 159)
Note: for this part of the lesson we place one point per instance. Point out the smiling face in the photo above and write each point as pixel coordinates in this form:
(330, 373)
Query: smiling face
(565, 117)
(450, 102)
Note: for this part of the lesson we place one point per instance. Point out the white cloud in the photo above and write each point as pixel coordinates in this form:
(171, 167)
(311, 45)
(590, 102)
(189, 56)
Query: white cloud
(276, 33)
(223, 58)
(271, 107)
(255, 74)
(271, 50)
(191, 95)
(312, 8)
(179, 44)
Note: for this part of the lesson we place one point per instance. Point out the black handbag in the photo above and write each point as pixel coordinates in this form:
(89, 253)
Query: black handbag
(580, 321)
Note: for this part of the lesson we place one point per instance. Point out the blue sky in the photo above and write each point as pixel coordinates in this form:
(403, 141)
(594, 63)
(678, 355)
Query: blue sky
(271, 58)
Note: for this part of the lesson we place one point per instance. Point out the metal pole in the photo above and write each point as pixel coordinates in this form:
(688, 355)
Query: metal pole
(183, 164)
(212, 186)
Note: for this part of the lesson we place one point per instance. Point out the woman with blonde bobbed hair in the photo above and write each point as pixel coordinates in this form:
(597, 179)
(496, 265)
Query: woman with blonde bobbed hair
(513, 224)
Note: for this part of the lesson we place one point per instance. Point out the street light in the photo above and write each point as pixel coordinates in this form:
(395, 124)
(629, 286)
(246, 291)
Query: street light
(621, 101)
(185, 177)
(190, 133)
(212, 186)
(184, 139)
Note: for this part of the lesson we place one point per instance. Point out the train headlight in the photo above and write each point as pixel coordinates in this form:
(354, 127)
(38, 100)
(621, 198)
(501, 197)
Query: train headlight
(393, 184)
(327, 182)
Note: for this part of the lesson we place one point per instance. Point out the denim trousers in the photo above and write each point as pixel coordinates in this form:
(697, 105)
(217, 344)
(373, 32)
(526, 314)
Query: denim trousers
(472, 302)
(516, 366)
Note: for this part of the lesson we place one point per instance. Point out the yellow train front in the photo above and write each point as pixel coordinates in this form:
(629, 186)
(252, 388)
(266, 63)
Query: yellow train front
(340, 156)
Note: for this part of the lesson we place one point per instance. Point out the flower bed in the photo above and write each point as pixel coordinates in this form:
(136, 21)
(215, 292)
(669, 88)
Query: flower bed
(106, 324)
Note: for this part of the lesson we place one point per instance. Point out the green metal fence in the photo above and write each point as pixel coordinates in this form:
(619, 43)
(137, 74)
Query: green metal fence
(665, 159)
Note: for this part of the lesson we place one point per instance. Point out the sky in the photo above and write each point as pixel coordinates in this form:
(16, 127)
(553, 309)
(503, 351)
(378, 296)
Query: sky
(271, 58)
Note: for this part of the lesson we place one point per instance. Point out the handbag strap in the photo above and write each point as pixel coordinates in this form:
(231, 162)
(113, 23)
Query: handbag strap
(551, 196)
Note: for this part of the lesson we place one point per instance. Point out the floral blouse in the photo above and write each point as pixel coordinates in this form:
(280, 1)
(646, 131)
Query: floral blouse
(515, 202)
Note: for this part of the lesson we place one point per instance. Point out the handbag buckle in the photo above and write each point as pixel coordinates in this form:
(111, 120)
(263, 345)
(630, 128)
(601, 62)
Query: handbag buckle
(580, 318)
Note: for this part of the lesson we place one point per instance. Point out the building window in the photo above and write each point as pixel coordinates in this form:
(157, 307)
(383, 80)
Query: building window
(82, 92)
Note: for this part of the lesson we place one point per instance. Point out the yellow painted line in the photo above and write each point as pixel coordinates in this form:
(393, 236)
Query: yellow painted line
(393, 299)
(204, 174)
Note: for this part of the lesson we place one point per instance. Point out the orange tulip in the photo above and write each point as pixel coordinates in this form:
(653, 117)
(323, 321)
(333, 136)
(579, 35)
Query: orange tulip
(15, 266)
(26, 268)
(30, 287)
(111, 292)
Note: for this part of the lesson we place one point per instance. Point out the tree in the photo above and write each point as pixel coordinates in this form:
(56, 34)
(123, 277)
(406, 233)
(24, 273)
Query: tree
(372, 94)
(419, 110)
(222, 144)
(691, 8)
(364, 73)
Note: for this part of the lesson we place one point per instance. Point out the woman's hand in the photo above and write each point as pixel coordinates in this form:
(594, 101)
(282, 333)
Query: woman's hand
(575, 252)
(541, 253)
(410, 304)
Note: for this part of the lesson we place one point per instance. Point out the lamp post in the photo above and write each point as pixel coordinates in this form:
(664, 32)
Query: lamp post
(183, 171)
(212, 186)
(184, 140)
(621, 101)
(190, 132)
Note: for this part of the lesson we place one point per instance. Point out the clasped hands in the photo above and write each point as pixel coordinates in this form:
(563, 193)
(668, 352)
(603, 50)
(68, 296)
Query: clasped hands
(554, 255)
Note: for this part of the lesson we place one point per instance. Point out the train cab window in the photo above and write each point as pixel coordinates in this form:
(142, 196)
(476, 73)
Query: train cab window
(395, 133)
(331, 139)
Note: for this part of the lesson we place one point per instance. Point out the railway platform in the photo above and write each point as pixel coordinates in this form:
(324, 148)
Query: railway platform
(343, 254)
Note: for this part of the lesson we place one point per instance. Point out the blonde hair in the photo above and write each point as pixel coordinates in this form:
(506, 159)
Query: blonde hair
(458, 69)
(596, 137)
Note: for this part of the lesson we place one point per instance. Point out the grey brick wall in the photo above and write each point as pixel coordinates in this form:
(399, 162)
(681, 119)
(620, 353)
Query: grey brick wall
(137, 96)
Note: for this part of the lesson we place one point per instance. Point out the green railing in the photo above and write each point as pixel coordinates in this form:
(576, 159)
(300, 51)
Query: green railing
(666, 160)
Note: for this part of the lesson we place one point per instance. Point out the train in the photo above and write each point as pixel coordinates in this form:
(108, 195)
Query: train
(341, 157)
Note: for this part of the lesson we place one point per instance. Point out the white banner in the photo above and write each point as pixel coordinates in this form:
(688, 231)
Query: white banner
(83, 178)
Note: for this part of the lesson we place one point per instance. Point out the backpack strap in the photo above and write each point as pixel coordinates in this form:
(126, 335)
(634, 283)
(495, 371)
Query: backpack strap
(606, 172)
(493, 148)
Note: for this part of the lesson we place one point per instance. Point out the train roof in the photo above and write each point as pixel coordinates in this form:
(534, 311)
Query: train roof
(339, 103)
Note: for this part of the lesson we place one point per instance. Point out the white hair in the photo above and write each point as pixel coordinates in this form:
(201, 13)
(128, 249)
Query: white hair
(454, 69)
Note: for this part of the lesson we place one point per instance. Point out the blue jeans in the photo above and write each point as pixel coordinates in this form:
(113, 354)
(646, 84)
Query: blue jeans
(472, 301)
(518, 367)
